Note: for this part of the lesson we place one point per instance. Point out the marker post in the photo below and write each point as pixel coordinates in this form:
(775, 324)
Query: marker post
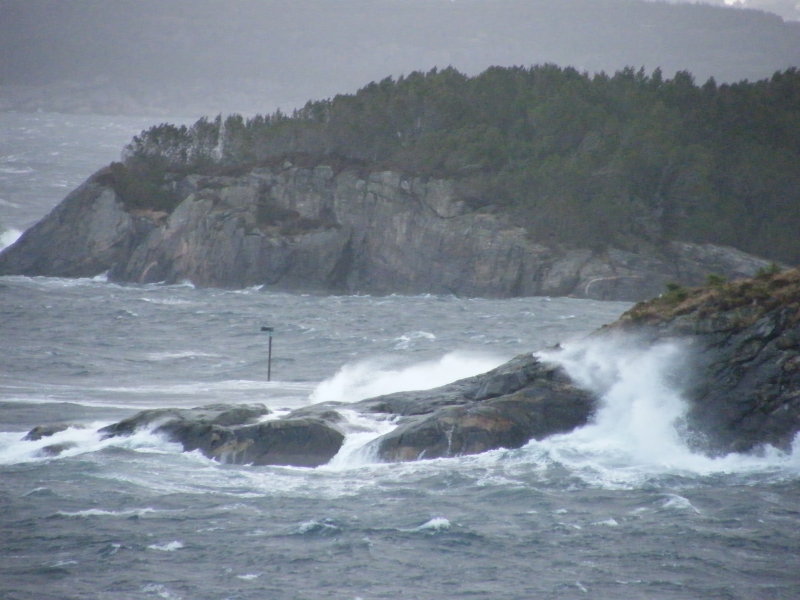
(269, 351)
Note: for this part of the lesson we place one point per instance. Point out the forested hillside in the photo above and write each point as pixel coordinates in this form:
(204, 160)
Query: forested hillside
(628, 160)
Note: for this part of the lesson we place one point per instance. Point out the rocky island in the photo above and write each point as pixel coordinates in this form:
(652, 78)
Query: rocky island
(741, 386)
(517, 182)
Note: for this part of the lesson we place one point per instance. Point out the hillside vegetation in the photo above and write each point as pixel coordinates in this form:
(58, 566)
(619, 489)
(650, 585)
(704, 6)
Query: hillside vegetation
(628, 160)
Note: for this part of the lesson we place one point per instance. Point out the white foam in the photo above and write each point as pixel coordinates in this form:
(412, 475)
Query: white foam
(97, 512)
(676, 502)
(356, 450)
(8, 237)
(167, 547)
(78, 440)
(408, 340)
(636, 432)
(435, 524)
(367, 379)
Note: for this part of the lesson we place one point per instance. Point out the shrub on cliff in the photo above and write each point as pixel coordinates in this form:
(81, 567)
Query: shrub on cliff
(140, 187)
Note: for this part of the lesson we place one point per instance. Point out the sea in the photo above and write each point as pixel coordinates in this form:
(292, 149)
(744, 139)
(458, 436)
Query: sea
(620, 509)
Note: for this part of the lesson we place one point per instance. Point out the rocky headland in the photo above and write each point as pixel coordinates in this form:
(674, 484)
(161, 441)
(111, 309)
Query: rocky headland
(333, 229)
(740, 382)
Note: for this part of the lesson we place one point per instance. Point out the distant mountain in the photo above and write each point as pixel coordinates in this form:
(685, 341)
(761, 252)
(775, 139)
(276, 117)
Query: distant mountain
(787, 9)
(209, 56)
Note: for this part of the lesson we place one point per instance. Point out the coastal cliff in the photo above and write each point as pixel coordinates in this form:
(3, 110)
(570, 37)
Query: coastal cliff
(338, 230)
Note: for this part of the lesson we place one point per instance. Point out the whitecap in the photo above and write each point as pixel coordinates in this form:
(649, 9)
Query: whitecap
(435, 525)
(97, 512)
(676, 502)
(167, 547)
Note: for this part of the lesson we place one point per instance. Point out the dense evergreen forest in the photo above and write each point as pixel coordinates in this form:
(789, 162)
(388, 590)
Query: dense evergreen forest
(628, 160)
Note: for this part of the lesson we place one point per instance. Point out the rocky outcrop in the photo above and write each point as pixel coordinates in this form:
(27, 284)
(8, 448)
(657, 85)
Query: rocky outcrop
(741, 383)
(81, 237)
(744, 391)
(234, 434)
(341, 231)
(546, 406)
(505, 408)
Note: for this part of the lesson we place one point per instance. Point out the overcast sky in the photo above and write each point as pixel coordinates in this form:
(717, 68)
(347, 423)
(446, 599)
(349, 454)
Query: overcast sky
(209, 56)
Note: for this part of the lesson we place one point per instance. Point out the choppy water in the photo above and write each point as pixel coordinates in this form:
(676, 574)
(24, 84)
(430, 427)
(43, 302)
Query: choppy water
(619, 509)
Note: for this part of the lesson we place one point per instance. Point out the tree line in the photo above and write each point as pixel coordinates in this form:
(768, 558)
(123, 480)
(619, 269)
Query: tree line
(626, 160)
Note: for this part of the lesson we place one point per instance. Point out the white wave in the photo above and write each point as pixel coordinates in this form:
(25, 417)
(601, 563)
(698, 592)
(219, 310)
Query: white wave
(16, 170)
(75, 441)
(435, 524)
(191, 354)
(636, 432)
(8, 237)
(408, 340)
(167, 547)
(356, 450)
(96, 512)
(370, 378)
(677, 502)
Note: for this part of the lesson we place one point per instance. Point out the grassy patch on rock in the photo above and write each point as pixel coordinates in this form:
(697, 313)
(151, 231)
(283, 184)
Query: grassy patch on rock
(768, 290)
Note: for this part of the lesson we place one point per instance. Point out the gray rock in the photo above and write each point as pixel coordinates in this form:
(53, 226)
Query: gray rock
(745, 388)
(230, 434)
(509, 421)
(83, 236)
(316, 229)
(521, 400)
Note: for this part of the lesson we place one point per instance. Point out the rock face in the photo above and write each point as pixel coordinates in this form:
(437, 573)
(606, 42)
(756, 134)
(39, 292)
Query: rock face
(745, 391)
(317, 229)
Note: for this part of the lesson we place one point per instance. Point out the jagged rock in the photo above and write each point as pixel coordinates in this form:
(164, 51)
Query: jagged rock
(521, 400)
(745, 335)
(230, 434)
(508, 378)
(295, 442)
(81, 237)
(509, 421)
(342, 231)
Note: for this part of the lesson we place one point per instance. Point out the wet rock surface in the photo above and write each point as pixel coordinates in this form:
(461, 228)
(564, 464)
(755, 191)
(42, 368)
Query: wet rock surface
(521, 400)
(744, 389)
(232, 434)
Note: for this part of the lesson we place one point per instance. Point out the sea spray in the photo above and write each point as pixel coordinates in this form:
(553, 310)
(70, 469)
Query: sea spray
(370, 378)
(8, 237)
(637, 432)
(640, 394)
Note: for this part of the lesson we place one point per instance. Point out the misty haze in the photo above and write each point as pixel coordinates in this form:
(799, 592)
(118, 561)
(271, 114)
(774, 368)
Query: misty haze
(399, 299)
